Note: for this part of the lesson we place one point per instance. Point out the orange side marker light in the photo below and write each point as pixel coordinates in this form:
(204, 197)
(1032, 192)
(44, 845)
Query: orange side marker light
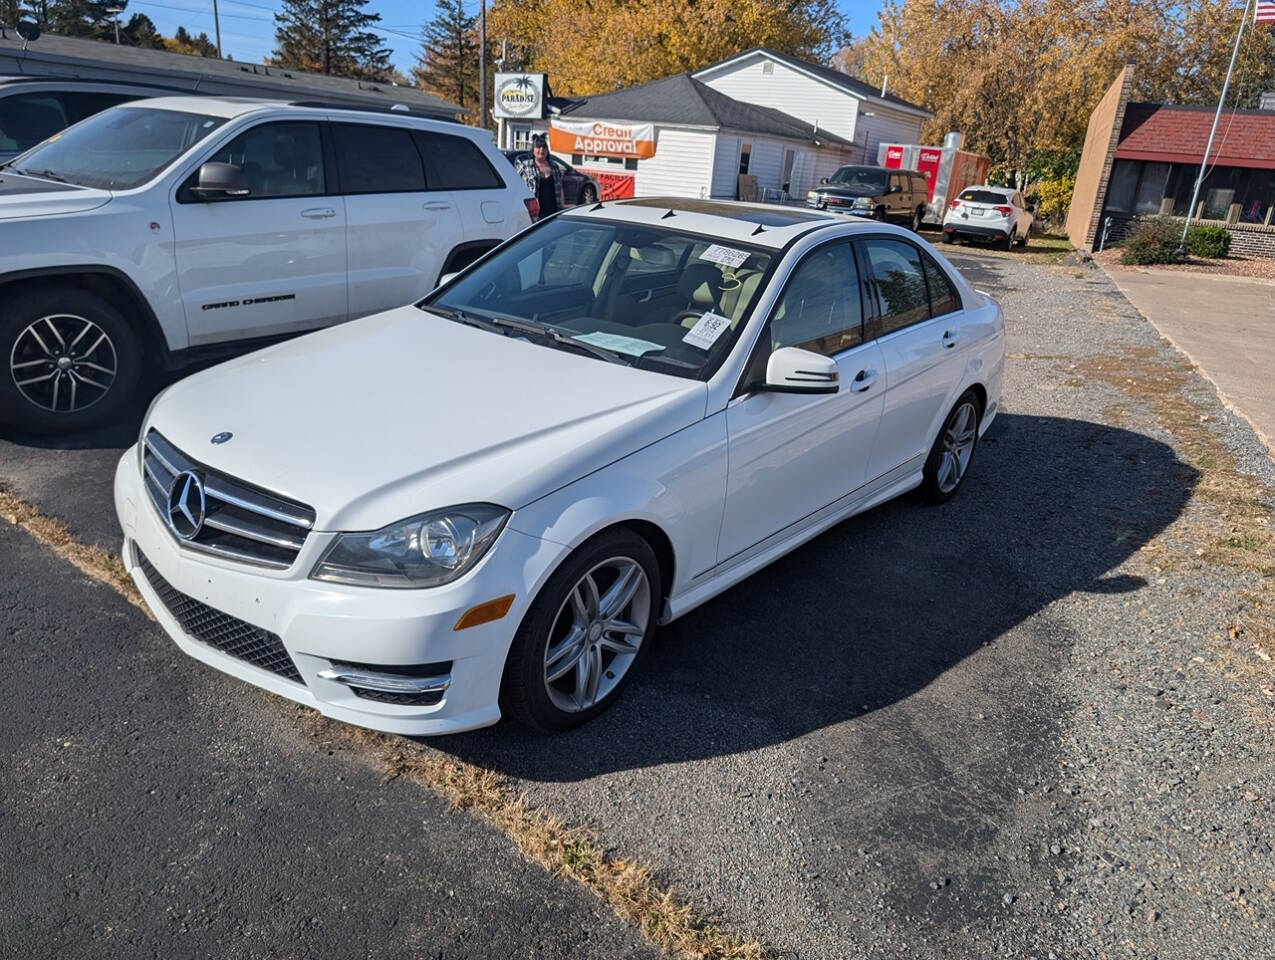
(485, 612)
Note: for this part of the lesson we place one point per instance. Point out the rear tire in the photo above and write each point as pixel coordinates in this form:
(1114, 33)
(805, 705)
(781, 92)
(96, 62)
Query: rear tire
(949, 461)
(1022, 242)
(1008, 240)
(918, 217)
(68, 361)
(565, 629)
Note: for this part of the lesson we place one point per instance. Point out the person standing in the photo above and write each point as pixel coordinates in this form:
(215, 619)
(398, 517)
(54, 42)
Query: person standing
(542, 178)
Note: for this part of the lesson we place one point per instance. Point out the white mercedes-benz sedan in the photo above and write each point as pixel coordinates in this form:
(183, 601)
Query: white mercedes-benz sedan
(486, 502)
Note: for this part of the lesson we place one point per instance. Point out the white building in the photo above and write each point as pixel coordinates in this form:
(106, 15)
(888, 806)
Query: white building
(784, 121)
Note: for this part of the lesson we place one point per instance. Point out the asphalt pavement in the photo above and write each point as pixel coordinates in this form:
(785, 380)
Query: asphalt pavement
(152, 808)
(933, 731)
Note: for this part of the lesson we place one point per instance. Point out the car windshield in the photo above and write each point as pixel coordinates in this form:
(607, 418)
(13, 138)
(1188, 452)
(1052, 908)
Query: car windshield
(117, 149)
(651, 297)
(867, 181)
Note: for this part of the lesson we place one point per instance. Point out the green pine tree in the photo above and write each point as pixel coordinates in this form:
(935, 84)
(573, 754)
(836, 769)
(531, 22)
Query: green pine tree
(78, 18)
(183, 41)
(330, 36)
(140, 31)
(448, 62)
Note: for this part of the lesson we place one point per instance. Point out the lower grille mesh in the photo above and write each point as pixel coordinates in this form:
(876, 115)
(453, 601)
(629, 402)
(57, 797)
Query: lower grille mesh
(230, 635)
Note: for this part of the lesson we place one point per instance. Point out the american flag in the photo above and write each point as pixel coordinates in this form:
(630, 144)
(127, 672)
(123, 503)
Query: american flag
(1265, 12)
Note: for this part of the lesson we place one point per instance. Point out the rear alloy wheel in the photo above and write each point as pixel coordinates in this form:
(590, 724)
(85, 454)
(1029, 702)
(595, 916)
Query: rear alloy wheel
(71, 361)
(949, 459)
(584, 633)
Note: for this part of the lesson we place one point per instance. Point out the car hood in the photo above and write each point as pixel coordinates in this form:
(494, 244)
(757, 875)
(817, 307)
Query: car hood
(404, 411)
(34, 197)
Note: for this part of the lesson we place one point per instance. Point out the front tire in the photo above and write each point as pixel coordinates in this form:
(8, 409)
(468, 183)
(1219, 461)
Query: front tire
(68, 361)
(953, 450)
(584, 634)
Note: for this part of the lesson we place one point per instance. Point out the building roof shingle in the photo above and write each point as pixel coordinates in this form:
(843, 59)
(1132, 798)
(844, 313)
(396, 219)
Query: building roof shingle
(681, 100)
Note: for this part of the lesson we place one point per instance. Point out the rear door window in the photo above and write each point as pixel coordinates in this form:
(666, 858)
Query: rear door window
(456, 163)
(943, 295)
(899, 280)
(375, 159)
(982, 196)
(29, 118)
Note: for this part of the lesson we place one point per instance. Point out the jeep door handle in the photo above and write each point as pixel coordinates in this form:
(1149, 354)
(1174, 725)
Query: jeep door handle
(436, 205)
(863, 380)
(318, 213)
(949, 338)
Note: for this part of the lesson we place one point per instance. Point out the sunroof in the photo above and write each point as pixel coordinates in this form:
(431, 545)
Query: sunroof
(766, 216)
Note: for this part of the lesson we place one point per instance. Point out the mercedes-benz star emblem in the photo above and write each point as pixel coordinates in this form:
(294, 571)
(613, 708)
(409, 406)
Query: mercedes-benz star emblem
(186, 505)
(222, 437)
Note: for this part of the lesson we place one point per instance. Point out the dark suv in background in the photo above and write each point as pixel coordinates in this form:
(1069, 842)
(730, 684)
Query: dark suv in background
(577, 187)
(898, 196)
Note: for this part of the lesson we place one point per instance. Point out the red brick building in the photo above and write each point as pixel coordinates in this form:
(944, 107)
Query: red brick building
(1150, 167)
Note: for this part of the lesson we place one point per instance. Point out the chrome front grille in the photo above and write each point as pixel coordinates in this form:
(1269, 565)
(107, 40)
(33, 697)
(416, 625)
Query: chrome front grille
(239, 521)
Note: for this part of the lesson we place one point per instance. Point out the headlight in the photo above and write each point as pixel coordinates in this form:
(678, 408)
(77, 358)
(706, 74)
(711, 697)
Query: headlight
(812, 196)
(423, 551)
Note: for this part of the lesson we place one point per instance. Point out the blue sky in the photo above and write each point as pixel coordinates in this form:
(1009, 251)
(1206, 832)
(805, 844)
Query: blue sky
(247, 26)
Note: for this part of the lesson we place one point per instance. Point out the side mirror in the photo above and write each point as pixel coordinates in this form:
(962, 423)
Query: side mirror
(219, 180)
(823, 180)
(895, 188)
(793, 370)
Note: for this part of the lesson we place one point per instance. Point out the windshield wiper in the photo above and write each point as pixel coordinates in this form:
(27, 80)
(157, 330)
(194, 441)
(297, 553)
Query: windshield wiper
(46, 174)
(536, 330)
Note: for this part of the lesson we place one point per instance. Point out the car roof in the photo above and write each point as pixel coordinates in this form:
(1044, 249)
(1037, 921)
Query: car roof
(230, 107)
(757, 224)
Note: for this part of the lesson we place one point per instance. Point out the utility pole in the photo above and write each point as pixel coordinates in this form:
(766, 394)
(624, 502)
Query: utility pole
(115, 15)
(217, 28)
(1199, 180)
(482, 62)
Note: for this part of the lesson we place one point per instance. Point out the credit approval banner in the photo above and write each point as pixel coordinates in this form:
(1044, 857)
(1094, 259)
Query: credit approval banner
(602, 138)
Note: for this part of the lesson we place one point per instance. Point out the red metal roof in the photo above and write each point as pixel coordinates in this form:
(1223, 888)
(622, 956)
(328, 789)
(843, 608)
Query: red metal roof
(1169, 133)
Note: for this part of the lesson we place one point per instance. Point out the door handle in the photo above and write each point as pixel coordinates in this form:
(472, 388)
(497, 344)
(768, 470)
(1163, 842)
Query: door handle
(949, 338)
(646, 295)
(436, 205)
(318, 213)
(863, 380)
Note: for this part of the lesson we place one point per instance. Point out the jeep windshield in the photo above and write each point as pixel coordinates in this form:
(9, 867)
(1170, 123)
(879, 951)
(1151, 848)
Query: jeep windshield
(650, 297)
(860, 181)
(117, 149)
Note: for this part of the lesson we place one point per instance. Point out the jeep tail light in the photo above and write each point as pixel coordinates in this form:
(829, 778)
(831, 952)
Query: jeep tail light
(533, 207)
(1004, 211)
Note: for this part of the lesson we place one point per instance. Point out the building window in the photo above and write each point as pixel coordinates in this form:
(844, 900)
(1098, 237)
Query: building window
(1122, 186)
(745, 154)
(1150, 192)
(1258, 197)
(521, 136)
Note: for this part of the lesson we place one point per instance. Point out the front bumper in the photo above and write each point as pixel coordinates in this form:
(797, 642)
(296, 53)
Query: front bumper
(325, 628)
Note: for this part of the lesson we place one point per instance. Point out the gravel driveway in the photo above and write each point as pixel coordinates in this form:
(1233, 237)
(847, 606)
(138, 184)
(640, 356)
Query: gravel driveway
(1034, 721)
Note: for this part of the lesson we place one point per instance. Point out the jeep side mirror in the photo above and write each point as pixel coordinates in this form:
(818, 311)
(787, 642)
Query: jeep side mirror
(217, 181)
(823, 180)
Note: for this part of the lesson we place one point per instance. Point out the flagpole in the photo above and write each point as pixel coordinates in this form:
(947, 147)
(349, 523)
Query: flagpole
(1199, 180)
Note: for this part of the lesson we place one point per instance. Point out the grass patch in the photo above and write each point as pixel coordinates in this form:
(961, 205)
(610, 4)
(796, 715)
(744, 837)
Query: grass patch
(568, 851)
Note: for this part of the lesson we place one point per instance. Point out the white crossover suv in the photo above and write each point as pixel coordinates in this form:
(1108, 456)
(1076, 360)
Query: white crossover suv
(156, 232)
(485, 502)
(999, 214)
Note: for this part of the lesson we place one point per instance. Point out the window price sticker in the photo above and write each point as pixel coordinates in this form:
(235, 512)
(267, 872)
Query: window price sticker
(706, 330)
(727, 256)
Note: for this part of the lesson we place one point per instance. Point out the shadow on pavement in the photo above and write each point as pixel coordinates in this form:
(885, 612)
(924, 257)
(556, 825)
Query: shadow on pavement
(880, 606)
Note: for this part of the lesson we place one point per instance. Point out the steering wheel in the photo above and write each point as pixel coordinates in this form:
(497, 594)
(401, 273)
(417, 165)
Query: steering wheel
(686, 315)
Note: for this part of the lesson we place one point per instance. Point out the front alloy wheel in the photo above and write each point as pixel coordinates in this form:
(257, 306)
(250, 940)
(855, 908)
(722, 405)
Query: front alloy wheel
(583, 635)
(68, 360)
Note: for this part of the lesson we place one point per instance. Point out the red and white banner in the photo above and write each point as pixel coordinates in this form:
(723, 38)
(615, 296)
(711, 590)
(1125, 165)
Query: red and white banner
(1264, 12)
(602, 138)
(615, 186)
(893, 157)
(927, 162)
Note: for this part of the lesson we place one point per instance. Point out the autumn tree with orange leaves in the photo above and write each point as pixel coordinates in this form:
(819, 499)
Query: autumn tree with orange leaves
(594, 46)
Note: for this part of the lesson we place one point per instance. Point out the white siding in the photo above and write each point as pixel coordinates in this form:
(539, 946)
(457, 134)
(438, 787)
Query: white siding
(682, 165)
(725, 167)
(785, 89)
(888, 126)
